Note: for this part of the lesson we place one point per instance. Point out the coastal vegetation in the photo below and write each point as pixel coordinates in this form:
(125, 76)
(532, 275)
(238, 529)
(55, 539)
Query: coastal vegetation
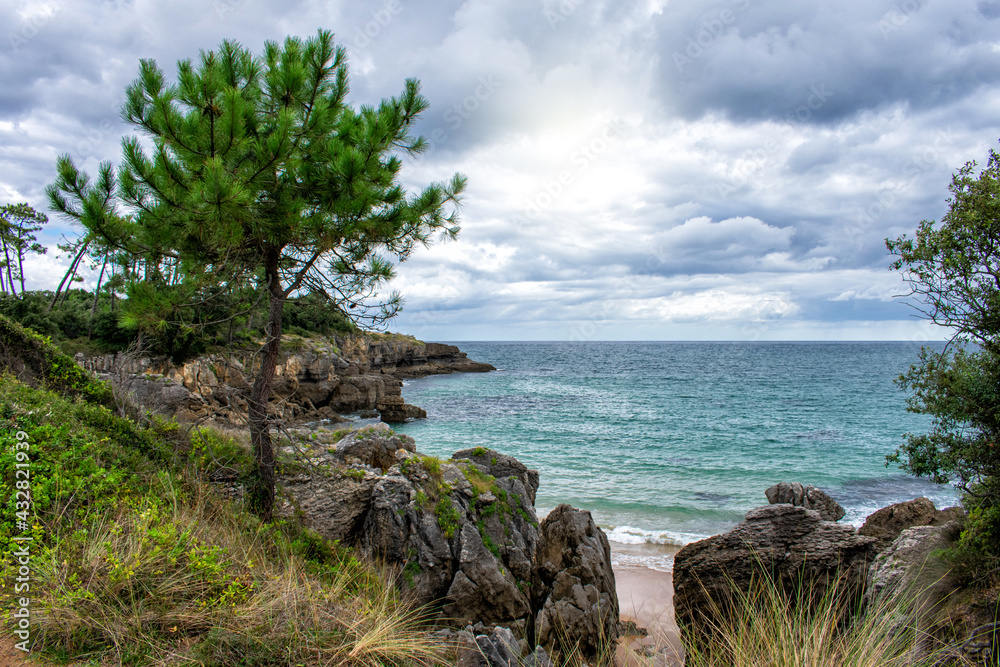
(765, 624)
(88, 322)
(953, 271)
(18, 224)
(136, 556)
(263, 184)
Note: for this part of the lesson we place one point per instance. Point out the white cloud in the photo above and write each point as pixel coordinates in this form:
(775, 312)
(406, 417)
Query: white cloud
(756, 184)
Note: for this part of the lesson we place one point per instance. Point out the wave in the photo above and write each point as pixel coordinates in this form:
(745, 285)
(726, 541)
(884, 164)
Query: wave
(633, 535)
(660, 562)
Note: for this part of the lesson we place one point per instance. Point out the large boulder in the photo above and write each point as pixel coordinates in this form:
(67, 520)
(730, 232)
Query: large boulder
(333, 505)
(580, 602)
(789, 543)
(911, 567)
(886, 524)
(328, 486)
(464, 538)
(793, 493)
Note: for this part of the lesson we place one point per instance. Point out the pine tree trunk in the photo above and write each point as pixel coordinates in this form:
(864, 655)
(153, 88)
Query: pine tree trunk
(69, 274)
(93, 307)
(10, 276)
(261, 491)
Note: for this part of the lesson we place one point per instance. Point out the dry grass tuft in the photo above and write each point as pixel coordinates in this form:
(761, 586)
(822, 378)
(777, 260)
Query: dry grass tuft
(182, 578)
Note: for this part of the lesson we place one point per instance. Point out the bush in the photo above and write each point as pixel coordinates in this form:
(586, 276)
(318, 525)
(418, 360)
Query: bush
(951, 269)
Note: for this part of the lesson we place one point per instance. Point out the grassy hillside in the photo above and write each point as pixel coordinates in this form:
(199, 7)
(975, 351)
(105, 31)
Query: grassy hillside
(135, 557)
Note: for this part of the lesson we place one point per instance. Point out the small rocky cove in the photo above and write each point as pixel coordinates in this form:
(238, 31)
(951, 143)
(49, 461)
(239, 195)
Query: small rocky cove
(507, 587)
(316, 379)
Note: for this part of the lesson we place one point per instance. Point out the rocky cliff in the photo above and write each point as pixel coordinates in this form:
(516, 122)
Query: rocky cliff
(463, 533)
(316, 378)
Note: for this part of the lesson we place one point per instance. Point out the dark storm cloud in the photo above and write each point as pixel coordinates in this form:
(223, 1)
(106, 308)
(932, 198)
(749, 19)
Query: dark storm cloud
(820, 61)
(759, 152)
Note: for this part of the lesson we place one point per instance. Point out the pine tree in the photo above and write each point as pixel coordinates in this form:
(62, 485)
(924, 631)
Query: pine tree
(18, 224)
(262, 176)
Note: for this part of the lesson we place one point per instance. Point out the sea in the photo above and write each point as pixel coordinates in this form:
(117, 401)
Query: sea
(666, 443)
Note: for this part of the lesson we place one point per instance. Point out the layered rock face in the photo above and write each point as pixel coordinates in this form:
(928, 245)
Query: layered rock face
(316, 378)
(790, 543)
(895, 553)
(464, 535)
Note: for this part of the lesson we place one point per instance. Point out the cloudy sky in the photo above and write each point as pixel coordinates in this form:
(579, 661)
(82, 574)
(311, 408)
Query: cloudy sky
(674, 170)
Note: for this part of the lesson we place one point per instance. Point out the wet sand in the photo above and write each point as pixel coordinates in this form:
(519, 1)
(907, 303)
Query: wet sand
(646, 598)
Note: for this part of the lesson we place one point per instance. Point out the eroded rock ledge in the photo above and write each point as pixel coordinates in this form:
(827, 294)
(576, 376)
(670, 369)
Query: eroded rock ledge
(316, 378)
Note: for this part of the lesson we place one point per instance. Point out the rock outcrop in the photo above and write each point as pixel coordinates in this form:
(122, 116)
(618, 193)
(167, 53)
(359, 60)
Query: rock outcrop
(910, 566)
(806, 496)
(792, 544)
(316, 378)
(886, 524)
(894, 557)
(464, 535)
(574, 564)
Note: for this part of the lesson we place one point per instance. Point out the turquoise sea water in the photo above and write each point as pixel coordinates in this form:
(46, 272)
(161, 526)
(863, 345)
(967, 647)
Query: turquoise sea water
(668, 442)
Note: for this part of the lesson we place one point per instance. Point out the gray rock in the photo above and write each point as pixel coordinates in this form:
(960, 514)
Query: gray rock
(465, 538)
(164, 397)
(537, 659)
(500, 648)
(909, 570)
(574, 568)
(909, 565)
(886, 524)
(476, 557)
(374, 446)
(791, 543)
(806, 496)
(334, 504)
(467, 653)
(502, 466)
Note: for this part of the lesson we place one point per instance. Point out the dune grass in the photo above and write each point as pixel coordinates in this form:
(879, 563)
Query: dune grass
(766, 626)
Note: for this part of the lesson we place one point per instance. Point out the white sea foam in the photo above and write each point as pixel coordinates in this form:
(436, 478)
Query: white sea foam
(628, 559)
(632, 535)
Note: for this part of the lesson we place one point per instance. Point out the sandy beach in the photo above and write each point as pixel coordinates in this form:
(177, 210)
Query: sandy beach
(645, 597)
